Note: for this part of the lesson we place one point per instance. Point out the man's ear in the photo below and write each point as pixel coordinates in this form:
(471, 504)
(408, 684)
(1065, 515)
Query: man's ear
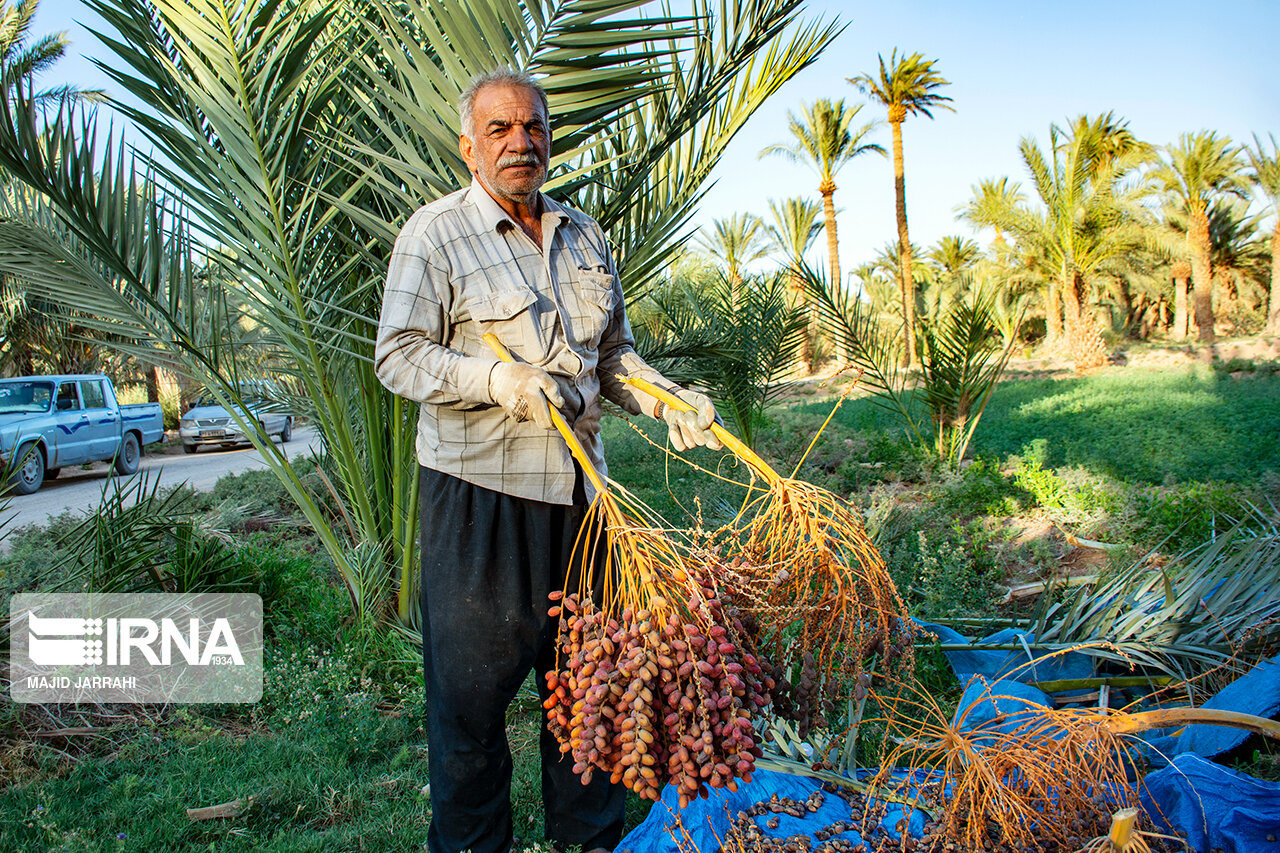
(467, 150)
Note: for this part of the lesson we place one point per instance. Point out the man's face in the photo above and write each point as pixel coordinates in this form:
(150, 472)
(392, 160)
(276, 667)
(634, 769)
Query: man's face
(512, 142)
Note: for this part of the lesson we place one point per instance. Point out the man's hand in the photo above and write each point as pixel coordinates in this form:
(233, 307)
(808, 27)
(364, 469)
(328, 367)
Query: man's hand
(692, 429)
(525, 391)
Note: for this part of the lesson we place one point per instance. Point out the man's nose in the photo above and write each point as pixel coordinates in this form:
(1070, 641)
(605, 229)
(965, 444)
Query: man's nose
(521, 139)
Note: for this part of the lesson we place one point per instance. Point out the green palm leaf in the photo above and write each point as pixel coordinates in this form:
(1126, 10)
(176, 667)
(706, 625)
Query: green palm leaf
(290, 139)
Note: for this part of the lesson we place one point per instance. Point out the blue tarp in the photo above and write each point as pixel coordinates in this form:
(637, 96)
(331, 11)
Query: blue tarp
(1017, 664)
(1214, 807)
(707, 822)
(984, 704)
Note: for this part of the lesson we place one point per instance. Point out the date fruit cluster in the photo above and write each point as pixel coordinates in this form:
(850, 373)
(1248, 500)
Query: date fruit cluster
(657, 695)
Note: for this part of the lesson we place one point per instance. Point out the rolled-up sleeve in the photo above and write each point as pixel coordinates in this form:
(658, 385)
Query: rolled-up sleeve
(410, 357)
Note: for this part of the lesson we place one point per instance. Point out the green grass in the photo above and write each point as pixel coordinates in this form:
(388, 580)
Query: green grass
(1138, 425)
(344, 775)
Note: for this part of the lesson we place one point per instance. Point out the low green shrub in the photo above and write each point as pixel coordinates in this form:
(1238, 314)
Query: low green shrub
(198, 562)
(981, 489)
(1177, 518)
(1071, 495)
(36, 552)
(942, 568)
(298, 589)
(250, 491)
(900, 459)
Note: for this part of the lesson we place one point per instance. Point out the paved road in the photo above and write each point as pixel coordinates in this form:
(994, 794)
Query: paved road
(80, 490)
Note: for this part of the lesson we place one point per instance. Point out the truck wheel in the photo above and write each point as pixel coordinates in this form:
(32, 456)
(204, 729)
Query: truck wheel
(287, 432)
(128, 455)
(30, 474)
(189, 448)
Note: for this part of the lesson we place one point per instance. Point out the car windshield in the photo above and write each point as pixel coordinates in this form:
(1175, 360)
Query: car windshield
(248, 393)
(207, 399)
(18, 397)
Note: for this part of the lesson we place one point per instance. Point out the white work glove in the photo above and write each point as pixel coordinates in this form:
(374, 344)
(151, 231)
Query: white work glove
(524, 391)
(691, 429)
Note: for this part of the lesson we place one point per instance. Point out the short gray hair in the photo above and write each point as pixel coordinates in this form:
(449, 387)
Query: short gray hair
(505, 76)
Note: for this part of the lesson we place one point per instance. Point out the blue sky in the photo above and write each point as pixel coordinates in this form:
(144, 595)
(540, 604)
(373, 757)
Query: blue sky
(1167, 67)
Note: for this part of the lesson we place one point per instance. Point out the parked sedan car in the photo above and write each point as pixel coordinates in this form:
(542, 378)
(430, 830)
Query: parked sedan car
(207, 422)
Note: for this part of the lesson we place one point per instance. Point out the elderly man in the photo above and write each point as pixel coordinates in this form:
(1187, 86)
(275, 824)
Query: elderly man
(501, 497)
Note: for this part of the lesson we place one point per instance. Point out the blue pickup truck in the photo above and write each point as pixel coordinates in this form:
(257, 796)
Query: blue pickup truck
(47, 422)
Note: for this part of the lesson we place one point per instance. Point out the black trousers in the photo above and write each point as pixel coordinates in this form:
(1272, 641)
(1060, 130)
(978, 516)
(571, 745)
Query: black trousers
(488, 562)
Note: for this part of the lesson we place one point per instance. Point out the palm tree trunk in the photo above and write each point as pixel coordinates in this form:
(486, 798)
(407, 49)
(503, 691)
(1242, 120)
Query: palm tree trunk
(1273, 315)
(1084, 341)
(828, 190)
(1181, 272)
(907, 282)
(1201, 275)
(1052, 319)
(1127, 307)
(796, 298)
(153, 384)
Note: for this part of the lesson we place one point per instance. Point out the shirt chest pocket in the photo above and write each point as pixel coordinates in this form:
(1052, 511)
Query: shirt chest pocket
(506, 314)
(590, 307)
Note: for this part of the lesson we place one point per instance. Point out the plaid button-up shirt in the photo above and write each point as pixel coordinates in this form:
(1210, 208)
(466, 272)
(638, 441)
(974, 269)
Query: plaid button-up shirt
(462, 267)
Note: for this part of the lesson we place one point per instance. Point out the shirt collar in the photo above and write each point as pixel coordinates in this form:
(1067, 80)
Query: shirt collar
(492, 214)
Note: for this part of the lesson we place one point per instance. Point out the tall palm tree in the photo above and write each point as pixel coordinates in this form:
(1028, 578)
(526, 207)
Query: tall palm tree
(827, 138)
(1180, 271)
(948, 269)
(1200, 168)
(906, 86)
(1015, 272)
(1265, 175)
(992, 195)
(19, 61)
(1109, 142)
(795, 227)
(888, 301)
(22, 60)
(735, 241)
(1235, 255)
(1238, 256)
(879, 287)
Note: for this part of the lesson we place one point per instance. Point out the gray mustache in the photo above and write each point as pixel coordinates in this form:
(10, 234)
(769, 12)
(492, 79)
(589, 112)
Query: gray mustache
(519, 160)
